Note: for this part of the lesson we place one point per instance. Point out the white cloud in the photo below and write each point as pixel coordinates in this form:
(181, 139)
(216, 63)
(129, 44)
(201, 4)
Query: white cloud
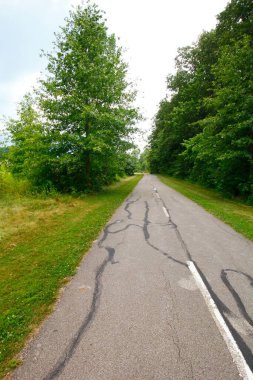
(75, 2)
(11, 93)
(24, 84)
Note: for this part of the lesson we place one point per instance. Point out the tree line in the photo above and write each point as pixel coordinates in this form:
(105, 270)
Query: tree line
(203, 129)
(74, 130)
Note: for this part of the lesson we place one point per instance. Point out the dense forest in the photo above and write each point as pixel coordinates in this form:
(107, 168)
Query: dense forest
(73, 132)
(203, 130)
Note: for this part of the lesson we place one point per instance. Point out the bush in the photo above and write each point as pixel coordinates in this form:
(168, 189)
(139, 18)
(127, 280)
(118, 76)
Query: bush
(11, 185)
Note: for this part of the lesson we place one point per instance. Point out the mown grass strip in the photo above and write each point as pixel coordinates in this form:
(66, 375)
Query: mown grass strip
(237, 214)
(34, 267)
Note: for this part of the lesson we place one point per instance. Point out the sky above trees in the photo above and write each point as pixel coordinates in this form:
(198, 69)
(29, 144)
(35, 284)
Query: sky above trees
(151, 32)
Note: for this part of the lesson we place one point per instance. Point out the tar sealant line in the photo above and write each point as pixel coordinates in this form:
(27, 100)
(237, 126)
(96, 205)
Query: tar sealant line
(235, 352)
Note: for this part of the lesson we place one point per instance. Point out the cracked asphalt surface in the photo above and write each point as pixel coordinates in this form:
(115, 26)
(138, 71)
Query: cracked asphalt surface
(133, 310)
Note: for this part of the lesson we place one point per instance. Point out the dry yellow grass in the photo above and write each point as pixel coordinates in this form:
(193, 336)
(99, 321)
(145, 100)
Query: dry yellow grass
(27, 214)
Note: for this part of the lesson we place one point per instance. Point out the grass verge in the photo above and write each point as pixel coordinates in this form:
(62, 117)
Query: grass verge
(43, 240)
(237, 214)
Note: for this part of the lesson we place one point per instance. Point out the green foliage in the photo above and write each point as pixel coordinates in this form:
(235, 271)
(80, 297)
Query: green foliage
(30, 155)
(143, 165)
(204, 131)
(73, 132)
(9, 185)
(222, 153)
(177, 118)
(3, 152)
(132, 161)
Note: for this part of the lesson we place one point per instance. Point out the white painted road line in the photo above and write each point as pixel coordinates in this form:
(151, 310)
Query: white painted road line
(166, 212)
(235, 352)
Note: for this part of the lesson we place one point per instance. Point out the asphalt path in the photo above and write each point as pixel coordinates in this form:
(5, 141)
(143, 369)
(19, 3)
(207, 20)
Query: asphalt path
(135, 311)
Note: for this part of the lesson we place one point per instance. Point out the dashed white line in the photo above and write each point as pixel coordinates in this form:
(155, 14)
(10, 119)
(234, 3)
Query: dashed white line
(235, 352)
(166, 212)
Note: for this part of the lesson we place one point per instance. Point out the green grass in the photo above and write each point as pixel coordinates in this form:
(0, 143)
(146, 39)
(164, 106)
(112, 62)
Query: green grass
(43, 240)
(237, 214)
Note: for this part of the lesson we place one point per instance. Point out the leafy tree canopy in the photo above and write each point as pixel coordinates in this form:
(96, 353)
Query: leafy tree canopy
(73, 131)
(204, 130)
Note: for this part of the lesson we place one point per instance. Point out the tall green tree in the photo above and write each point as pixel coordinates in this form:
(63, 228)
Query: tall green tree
(203, 129)
(178, 116)
(30, 154)
(235, 21)
(86, 96)
(223, 152)
(85, 104)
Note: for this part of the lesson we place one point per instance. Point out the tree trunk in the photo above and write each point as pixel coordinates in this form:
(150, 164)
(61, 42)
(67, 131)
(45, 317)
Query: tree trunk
(88, 159)
(87, 168)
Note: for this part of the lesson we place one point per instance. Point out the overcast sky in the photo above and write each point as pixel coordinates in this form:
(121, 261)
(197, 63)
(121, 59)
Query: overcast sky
(151, 31)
